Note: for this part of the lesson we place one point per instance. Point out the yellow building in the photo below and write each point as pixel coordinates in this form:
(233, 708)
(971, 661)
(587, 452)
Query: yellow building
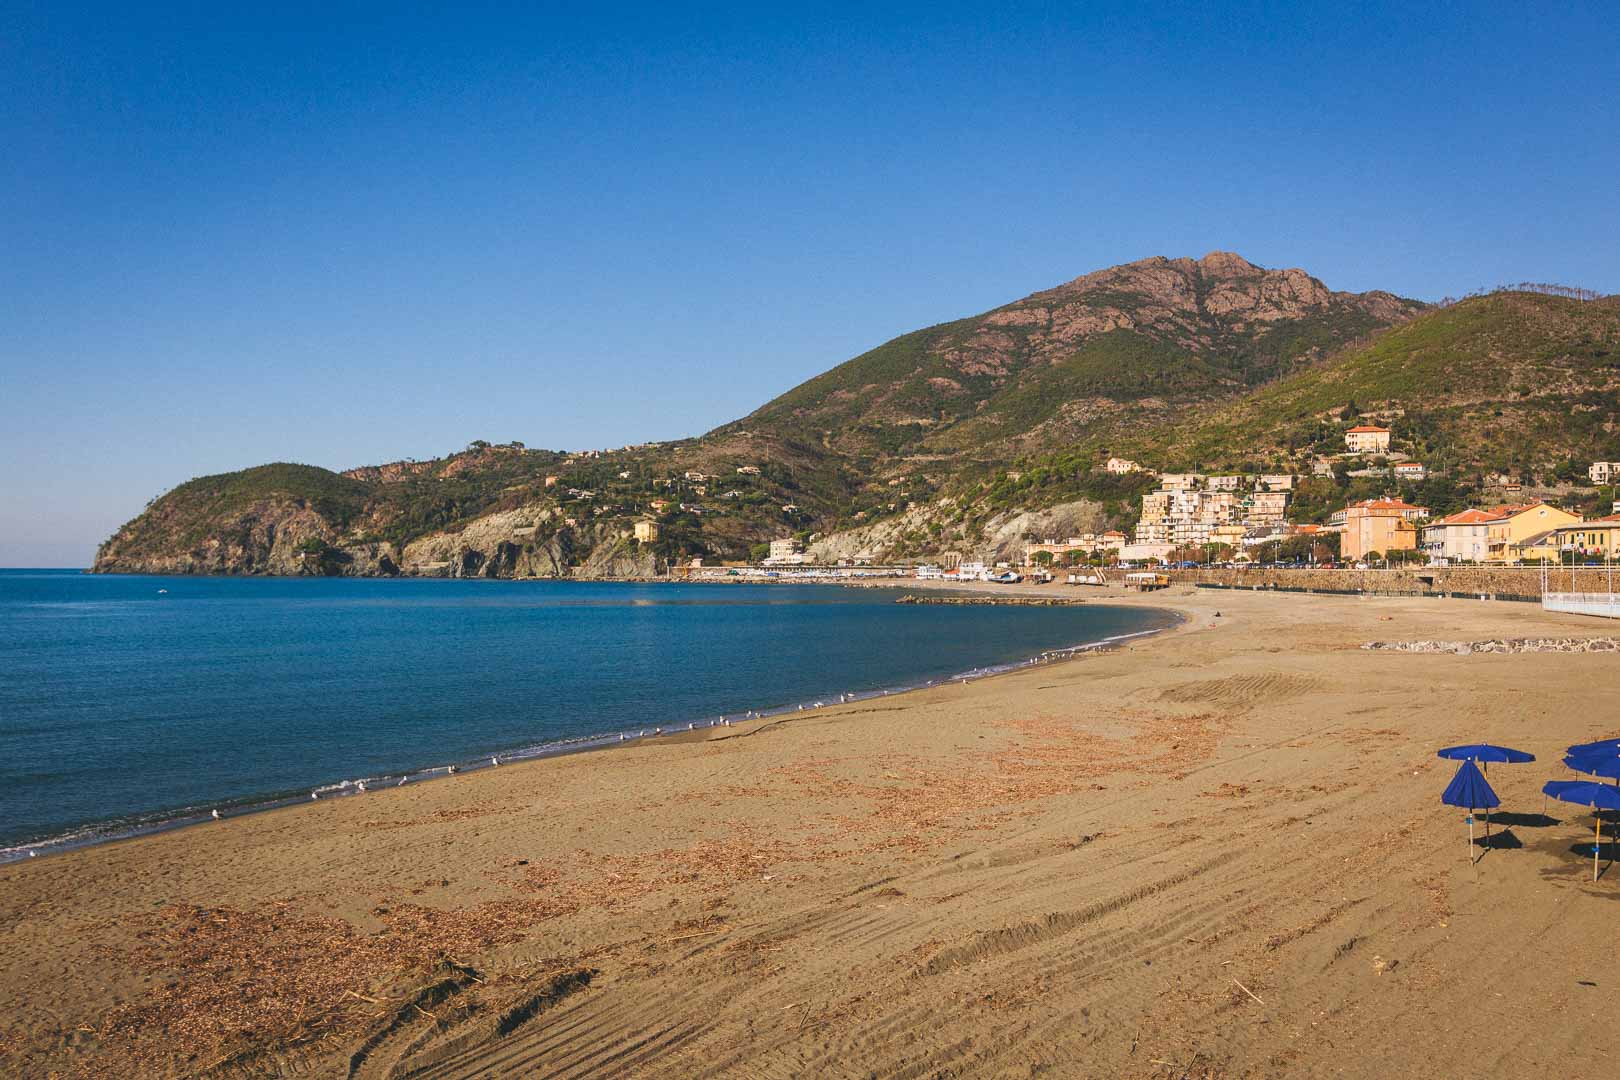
(646, 531)
(1510, 526)
(1598, 539)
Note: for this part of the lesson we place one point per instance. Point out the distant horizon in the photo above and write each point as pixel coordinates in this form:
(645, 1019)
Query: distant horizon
(344, 238)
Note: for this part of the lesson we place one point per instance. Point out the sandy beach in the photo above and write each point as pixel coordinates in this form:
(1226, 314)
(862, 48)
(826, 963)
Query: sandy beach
(1217, 852)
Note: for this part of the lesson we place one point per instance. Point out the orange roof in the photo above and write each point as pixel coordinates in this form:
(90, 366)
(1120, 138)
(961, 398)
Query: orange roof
(1506, 511)
(1466, 517)
(1366, 429)
(1385, 504)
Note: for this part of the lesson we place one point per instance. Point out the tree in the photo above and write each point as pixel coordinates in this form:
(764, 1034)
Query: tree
(1042, 558)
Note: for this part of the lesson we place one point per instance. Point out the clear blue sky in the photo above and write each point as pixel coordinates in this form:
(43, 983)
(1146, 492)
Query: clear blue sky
(344, 234)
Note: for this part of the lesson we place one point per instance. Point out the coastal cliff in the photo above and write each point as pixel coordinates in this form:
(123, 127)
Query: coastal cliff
(290, 535)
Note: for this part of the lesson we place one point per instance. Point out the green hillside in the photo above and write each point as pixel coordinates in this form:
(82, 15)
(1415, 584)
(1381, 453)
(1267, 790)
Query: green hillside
(1506, 381)
(1181, 364)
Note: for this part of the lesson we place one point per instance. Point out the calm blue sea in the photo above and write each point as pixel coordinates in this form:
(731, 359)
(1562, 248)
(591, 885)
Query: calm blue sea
(123, 706)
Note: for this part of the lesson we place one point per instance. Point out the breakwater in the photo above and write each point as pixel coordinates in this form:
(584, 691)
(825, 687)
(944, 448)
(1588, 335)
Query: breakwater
(1501, 645)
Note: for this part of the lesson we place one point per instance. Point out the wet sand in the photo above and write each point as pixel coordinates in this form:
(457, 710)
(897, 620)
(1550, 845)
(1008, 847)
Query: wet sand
(1218, 852)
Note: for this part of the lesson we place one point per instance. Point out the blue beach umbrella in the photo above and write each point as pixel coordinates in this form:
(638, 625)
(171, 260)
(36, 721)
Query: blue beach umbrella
(1601, 748)
(1487, 753)
(1586, 793)
(1597, 764)
(1469, 789)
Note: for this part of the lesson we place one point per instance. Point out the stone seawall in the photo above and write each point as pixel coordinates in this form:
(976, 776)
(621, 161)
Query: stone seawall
(1502, 583)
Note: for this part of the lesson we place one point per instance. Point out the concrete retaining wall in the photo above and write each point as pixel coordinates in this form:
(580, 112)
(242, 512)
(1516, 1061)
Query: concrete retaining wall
(1502, 583)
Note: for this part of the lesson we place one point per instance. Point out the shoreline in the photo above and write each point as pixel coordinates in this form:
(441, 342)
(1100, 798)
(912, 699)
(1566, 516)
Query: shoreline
(159, 822)
(1221, 848)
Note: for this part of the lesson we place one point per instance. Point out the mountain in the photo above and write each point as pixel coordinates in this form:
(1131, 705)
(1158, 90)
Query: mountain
(966, 435)
(1100, 353)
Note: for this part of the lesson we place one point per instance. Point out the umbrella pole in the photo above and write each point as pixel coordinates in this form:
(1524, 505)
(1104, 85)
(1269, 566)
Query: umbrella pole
(1471, 838)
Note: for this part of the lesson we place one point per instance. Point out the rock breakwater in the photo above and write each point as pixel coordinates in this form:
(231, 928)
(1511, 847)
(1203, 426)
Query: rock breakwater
(1502, 645)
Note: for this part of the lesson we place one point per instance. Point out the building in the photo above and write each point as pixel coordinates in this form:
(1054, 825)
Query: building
(1187, 511)
(1410, 470)
(748, 470)
(1084, 544)
(1381, 525)
(1462, 537)
(1120, 466)
(1367, 439)
(1598, 539)
(1510, 526)
(786, 552)
(1264, 508)
(551, 481)
(1278, 481)
(1604, 472)
(1231, 536)
(646, 532)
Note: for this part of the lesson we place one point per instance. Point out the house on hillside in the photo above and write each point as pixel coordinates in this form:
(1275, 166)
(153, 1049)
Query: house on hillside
(1121, 466)
(646, 532)
(1367, 439)
(1604, 472)
(1410, 470)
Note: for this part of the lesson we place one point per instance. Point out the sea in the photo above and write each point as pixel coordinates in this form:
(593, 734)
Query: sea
(135, 703)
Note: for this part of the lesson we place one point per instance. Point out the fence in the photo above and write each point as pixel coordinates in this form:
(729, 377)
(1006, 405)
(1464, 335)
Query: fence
(1606, 605)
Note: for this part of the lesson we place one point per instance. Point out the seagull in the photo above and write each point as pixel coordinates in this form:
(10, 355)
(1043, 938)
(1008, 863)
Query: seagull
(402, 781)
(658, 731)
(314, 795)
(494, 761)
(621, 736)
(451, 770)
(360, 785)
(690, 726)
(216, 814)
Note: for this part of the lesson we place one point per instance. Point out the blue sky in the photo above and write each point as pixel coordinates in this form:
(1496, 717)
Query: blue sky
(346, 234)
